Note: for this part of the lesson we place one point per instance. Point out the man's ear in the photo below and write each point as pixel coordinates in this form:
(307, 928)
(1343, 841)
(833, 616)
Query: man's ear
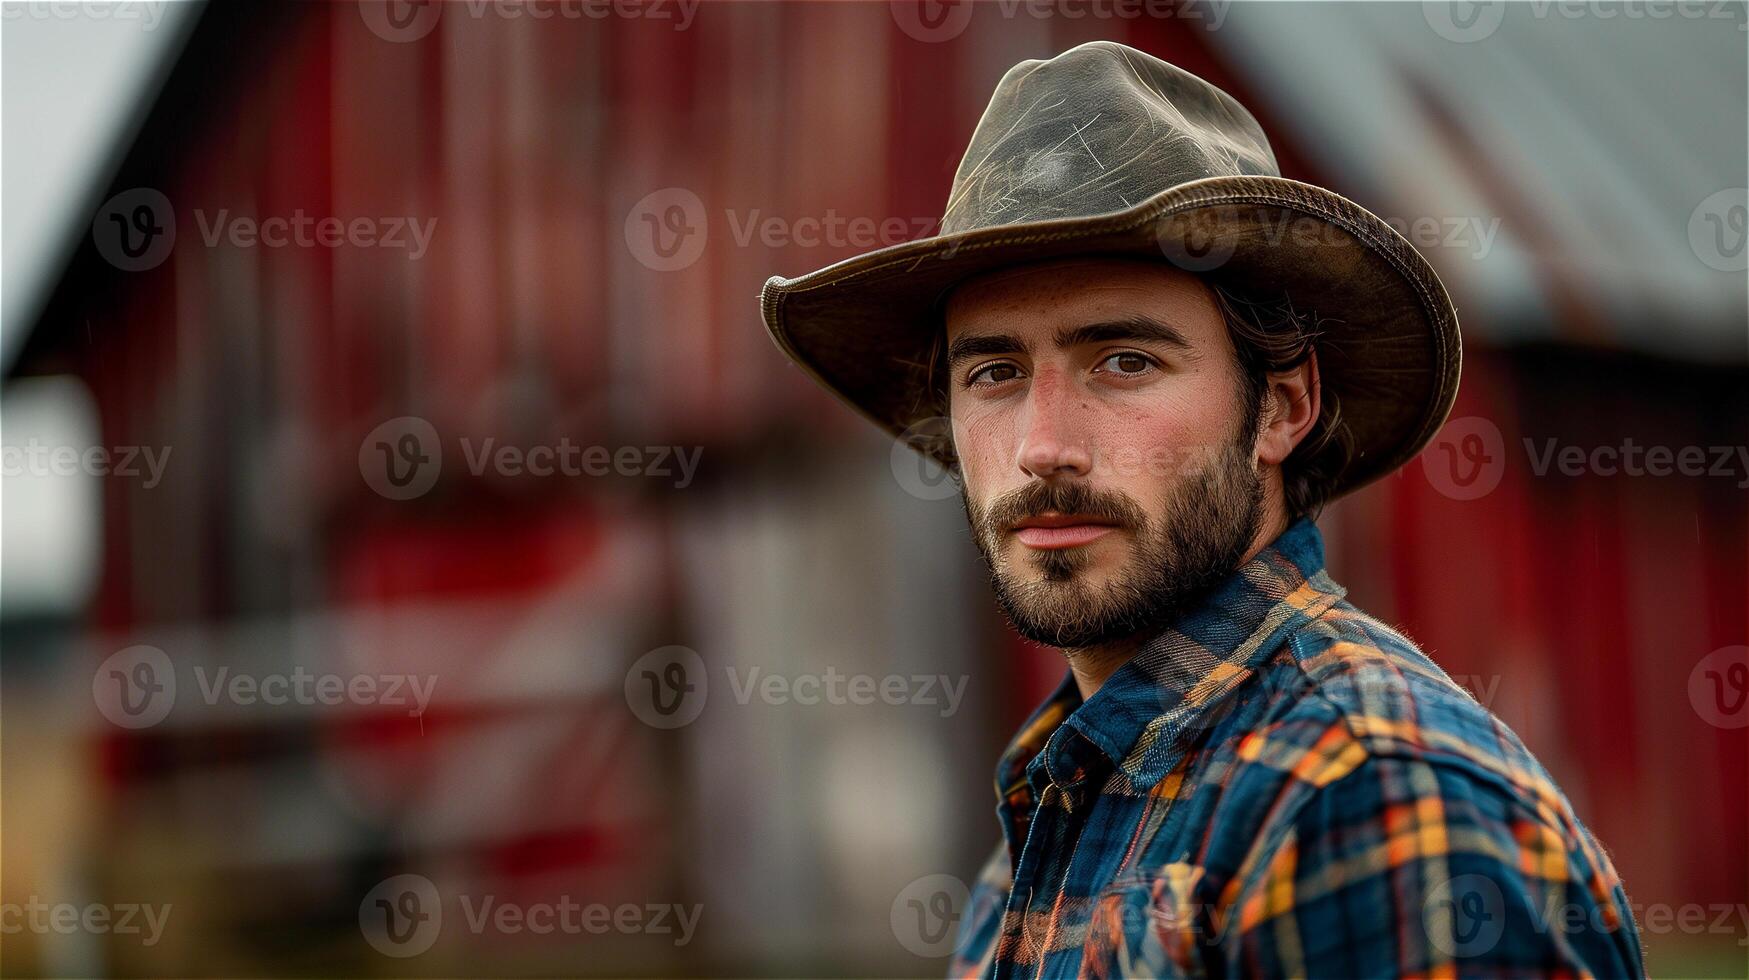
(1291, 404)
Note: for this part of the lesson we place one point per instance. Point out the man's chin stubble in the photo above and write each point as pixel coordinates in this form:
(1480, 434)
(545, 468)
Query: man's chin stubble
(1062, 564)
(1070, 614)
(1061, 608)
(1207, 529)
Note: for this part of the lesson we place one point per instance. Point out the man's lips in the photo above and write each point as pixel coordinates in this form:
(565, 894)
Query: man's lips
(1051, 531)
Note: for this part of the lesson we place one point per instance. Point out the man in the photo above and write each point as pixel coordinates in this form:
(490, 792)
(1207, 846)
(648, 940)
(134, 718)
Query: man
(1157, 359)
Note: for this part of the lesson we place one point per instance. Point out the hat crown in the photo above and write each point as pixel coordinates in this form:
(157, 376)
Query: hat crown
(1097, 129)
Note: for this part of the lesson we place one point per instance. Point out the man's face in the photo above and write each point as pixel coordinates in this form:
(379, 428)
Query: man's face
(1106, 444)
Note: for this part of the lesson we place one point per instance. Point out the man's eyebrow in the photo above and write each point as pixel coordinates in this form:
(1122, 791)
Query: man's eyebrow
(1136, 327)
(984, 345)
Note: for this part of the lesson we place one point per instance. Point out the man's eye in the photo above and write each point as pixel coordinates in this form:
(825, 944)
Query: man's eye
(1126, 363)
(992, 374)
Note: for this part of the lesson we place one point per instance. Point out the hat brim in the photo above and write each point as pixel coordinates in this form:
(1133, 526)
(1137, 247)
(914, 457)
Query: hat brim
(1390, 352)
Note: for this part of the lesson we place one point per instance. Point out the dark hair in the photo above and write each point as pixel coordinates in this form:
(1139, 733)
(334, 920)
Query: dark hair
(1269, 335)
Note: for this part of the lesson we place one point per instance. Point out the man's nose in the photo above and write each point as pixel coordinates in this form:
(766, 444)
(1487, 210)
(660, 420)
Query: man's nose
(1052, 443)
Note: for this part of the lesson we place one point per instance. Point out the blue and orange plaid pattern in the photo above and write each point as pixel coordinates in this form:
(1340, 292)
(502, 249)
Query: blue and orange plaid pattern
(1282, 785)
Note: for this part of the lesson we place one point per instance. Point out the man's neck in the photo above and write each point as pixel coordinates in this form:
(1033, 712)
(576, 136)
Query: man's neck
(1094, 665)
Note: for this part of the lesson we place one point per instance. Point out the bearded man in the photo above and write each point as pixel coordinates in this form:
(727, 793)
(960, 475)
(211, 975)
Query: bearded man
(1157, 360)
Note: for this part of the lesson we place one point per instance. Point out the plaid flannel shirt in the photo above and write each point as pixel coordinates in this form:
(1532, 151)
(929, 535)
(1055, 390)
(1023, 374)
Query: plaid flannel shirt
(1281, 785)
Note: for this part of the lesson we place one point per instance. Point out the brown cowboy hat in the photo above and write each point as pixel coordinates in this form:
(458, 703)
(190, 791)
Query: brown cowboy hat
(1105, 150)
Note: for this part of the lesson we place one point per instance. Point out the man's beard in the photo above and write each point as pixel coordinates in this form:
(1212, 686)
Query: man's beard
(1206, 527)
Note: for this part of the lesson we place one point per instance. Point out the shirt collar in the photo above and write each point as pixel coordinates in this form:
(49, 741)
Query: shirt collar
(1140, 720)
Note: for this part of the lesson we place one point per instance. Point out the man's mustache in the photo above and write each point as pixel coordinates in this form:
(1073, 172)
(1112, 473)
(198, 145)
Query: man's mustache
(1048, 496)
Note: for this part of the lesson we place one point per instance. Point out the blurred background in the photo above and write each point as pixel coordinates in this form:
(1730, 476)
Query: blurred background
(412, 539)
